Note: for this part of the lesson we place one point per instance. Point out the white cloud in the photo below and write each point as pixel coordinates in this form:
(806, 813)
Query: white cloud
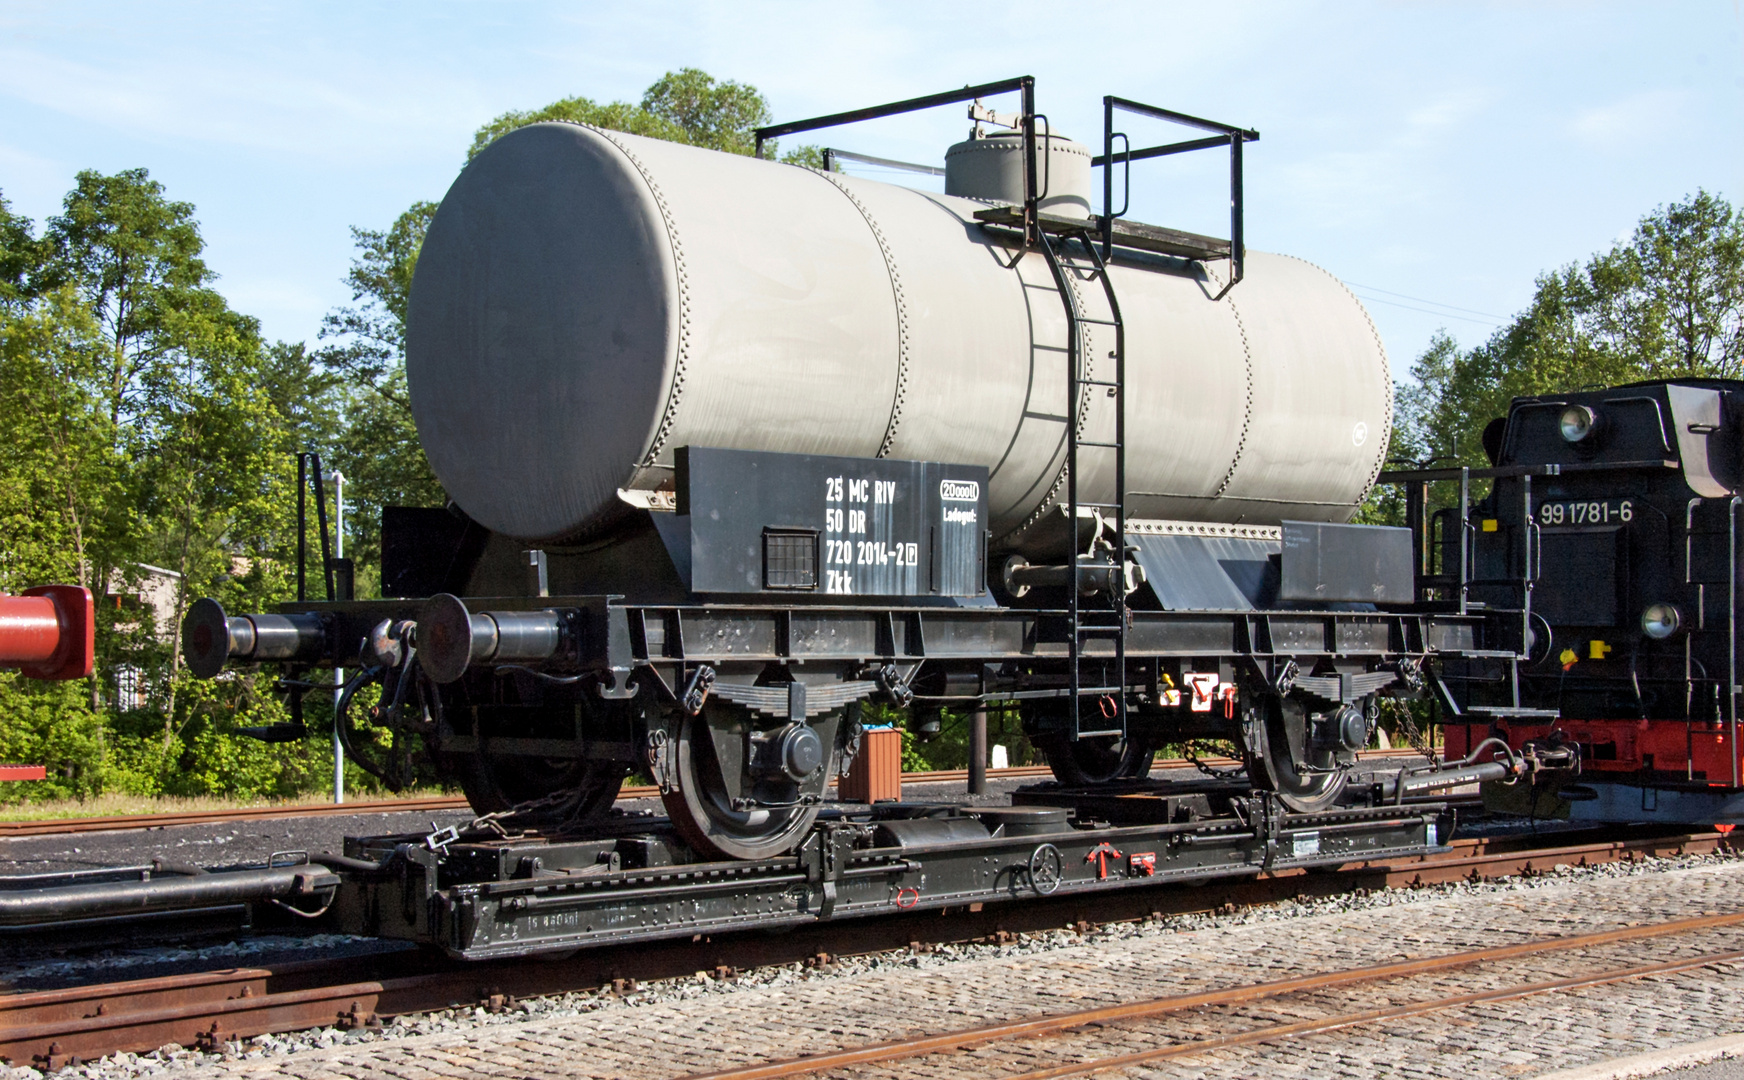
(31, 182)
(1448, 109)
(332, 105)
(1627, 122)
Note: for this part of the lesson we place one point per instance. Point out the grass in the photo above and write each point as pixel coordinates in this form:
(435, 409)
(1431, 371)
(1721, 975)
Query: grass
(113, 805)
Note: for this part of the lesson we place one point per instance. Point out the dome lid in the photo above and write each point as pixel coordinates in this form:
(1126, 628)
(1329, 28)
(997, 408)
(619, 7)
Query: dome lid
(991, 168)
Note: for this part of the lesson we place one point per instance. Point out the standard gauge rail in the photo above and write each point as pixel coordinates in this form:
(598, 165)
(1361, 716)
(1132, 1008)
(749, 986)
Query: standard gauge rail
(1065, 1024)
(54, 1028)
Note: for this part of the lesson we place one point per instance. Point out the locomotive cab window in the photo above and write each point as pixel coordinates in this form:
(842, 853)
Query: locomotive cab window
(790, 559)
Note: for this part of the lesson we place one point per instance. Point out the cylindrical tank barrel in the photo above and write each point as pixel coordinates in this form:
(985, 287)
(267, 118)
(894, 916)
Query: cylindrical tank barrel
(49, 632)
(210, 638)
(587, 301)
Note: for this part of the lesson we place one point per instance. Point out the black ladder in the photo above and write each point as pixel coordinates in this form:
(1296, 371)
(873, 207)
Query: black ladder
(1084, 624)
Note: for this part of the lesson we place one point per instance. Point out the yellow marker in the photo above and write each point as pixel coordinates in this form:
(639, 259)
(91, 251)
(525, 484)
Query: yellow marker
(1597, 650)
(1569, 658)
(1490, 524)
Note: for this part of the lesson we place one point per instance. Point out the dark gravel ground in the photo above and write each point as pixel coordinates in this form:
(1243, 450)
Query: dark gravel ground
(235, 843)
(212, 844)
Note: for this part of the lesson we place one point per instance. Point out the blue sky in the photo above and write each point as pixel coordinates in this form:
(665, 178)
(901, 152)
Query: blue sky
(1436, 155)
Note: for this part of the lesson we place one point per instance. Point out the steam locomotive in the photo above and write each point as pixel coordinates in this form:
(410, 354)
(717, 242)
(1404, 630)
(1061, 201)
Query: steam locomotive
(736, 447)
(1605, 560)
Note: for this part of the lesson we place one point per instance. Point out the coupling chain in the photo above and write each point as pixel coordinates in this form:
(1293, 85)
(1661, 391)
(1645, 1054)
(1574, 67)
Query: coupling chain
(1209, 770)
(1414, 737)
(439, 839)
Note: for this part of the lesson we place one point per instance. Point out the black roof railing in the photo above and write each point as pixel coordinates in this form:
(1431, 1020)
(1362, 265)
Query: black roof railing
(1227, 135)
(1023, 84)
(1031, 222)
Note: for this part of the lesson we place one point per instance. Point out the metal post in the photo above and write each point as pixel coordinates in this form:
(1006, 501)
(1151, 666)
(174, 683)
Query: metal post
(1108, 177)
(338, 479)
(1527, 526)
(1732, 635)
(302, 530)
(978, 751)
(1237, 246)
(1464, 527)
(1528, 573)
(321, 521)
(1031, 228)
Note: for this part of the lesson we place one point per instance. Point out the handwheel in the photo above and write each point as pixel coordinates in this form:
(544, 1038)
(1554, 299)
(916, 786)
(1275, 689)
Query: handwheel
(1280, 746)
(1099, 760)
(726, 806)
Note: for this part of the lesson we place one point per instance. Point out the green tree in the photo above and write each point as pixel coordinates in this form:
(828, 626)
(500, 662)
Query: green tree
(717, 115)
(20, 257)
(370, 336)
(615, 116)
(1668, 302)
(685, 106)
(134, 257)
(60, 475)
(149, 425)
(377, 448)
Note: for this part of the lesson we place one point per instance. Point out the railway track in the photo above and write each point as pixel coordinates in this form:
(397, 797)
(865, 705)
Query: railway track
(440, 803)
(57, 1027)
(1064, 1023)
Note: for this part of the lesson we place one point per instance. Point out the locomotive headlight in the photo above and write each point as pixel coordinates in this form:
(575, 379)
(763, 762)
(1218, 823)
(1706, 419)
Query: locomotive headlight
(1660, 621)
(1577, 423)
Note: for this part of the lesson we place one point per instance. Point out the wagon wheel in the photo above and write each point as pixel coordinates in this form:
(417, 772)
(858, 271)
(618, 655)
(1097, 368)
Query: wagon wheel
(1278, 745)
(722, 807)
(1100, 760)
(496, 782)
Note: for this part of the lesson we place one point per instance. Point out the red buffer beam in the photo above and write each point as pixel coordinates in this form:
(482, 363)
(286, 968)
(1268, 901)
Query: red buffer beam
(49, 632)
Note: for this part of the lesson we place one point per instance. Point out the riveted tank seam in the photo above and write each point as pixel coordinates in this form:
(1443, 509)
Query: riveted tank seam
(1247, 390)
(675, 392)
(884, 249)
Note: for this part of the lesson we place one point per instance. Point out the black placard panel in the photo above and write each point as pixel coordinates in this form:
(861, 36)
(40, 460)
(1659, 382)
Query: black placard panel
(763, 522)
(1350, 563)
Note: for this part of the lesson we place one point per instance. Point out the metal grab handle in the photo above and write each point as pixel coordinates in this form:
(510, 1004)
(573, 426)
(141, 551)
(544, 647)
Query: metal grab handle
(1047, 157)
(1126, 176)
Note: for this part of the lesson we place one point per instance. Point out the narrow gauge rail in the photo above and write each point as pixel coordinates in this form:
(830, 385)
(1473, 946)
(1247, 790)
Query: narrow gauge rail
(437, 803)
(55, 1028)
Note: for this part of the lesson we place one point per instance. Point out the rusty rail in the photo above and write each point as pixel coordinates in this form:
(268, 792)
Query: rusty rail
(1055, 1024)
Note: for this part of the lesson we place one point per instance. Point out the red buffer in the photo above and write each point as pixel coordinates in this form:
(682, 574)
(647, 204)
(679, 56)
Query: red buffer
(49, 632)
